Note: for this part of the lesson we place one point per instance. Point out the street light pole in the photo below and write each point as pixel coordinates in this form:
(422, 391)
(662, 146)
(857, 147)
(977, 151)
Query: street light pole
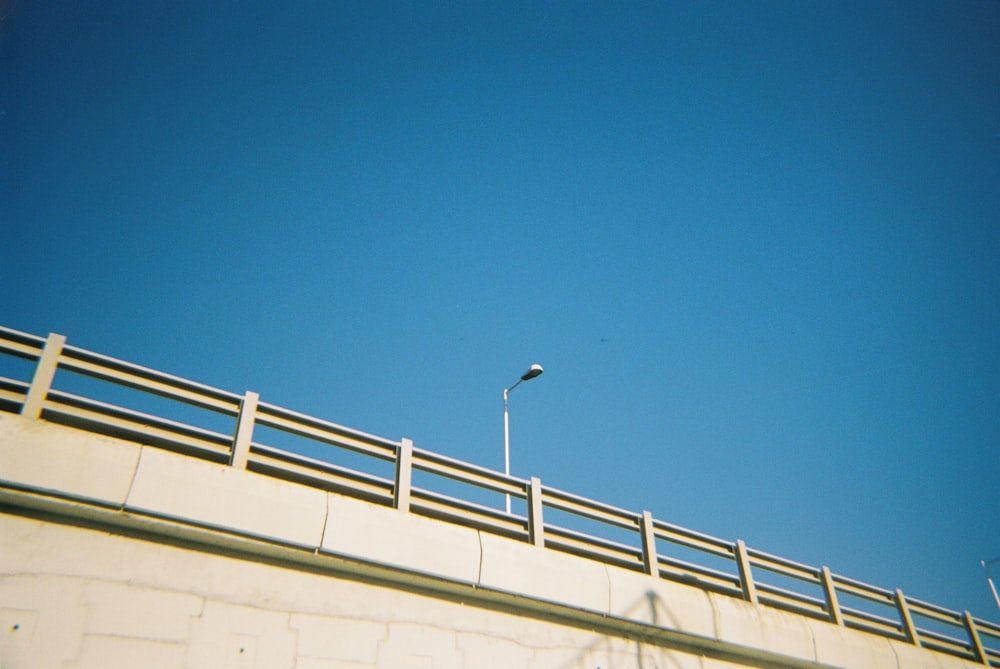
(989, 579)
(533, 371)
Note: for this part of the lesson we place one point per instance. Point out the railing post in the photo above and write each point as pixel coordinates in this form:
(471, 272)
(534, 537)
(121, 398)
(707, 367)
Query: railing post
(909, 629)
(649, 557)
(536, 526)
(45, 371)
(977, 643)
(746, 577)
(244, 430)
(832, 604)
(404, 475)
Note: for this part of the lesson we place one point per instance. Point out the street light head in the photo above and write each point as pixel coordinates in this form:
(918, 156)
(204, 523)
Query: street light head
(533, 371)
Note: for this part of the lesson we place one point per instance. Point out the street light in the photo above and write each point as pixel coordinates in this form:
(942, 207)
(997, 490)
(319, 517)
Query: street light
(533, 371)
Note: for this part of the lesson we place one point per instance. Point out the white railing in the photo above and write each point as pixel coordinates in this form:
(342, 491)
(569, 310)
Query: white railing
(623, 538)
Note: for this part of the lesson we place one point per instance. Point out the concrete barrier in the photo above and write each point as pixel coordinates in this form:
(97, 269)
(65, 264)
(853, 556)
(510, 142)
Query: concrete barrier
(114, 554)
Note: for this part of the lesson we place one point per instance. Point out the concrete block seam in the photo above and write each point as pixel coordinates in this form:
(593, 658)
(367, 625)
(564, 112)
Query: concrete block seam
(326, 520)
(895, 655)
(131, 484)
(479, 574)
(716, 618)
(607, 576)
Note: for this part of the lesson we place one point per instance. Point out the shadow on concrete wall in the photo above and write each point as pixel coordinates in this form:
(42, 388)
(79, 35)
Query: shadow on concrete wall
(614, 652)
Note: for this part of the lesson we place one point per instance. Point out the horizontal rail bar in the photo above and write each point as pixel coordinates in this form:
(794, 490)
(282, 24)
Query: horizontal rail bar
(10, 336)
(784, 566)
(440, 499)
(151, 386)
(469, 514)
(791, 601)
(581, 506)
(987, 627)
(704, 577)
(14, 385)
(934, 612)
(869, 621)
(698, 569)
(325, 432)
(465, 472)
(863, 590)
(928, 637)
(328, 433)
(75, 411)
(294, 416)
(315, 473)
(586, 545)
(79, 355)
(148, 380)
(580, 537)
(13, 393)
(26, 350)
(694, 540)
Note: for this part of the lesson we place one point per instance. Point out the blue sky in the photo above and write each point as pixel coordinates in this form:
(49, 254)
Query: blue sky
(754, 244)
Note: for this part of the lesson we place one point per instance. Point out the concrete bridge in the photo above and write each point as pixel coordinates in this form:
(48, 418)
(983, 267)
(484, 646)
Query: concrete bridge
(129, 539)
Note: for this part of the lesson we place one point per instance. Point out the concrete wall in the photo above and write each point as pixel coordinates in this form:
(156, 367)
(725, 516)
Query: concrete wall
(118, 555)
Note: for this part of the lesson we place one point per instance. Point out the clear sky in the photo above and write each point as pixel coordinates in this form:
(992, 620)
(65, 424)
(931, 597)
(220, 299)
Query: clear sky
(755, 245)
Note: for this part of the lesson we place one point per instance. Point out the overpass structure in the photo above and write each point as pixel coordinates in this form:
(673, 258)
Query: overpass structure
(135, 532)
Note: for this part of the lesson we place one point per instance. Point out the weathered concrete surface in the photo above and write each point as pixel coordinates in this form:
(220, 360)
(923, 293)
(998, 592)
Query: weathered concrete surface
(191, 490)
(117, 555)
(383, 535)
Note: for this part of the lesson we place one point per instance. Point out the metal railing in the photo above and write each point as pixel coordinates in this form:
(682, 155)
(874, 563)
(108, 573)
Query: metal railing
(631, 540)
